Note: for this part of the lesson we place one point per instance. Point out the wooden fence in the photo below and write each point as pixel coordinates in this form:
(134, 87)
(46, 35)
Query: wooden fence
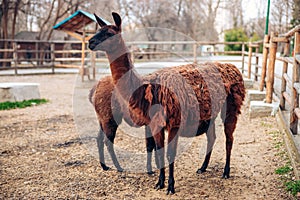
(289, 91)
(22, 54)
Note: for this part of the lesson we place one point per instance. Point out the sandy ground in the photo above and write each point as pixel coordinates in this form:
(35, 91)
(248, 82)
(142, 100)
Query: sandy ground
(49, 152)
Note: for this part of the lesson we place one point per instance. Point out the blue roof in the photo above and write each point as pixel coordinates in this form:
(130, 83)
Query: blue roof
(75, 22)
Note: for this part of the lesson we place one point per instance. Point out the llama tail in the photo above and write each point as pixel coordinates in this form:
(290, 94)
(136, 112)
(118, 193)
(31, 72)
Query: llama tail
(91, 94)
(234, 102)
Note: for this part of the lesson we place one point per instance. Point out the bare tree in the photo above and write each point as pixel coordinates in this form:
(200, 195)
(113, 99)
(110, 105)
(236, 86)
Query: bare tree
(295, 13)
(281, 15)
(235, 10)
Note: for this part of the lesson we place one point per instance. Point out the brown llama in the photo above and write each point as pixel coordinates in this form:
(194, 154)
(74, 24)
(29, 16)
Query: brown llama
(109, 115)
(183, 100)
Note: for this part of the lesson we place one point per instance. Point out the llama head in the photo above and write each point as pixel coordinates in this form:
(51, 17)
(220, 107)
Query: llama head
(108, 37)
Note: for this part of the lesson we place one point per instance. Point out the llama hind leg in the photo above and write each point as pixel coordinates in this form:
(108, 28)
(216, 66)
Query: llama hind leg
(109, 141)
(100, 145)
(229, 120)
(211, 138)
(229, 126)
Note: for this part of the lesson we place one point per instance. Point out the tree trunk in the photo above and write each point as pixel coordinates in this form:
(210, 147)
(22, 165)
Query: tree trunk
(4, 20)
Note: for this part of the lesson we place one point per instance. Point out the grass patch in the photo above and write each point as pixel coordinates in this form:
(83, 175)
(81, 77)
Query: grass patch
(266, 124)
(283, 170)
(286, 172)
(279, 145)
(293, 187)
(21, 104)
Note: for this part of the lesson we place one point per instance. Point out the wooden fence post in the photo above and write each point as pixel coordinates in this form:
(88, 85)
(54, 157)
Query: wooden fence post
(15, 56)
(195, 53)
(295, 79)
(52, 56)
(132, 56)
(82, 69)
(284, 71)
(37, 57)
(243, 58)
(256, 63)
(249, 60)
(264, 62)
(93, 63)
(271, 68)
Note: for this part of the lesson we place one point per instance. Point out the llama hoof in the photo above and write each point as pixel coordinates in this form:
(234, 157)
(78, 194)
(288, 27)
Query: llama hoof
(159, 185)
(170, 192)
(150, 173)
(225, 176)
(104, 167)
(200, 171)
(120, 169)
(171, 189)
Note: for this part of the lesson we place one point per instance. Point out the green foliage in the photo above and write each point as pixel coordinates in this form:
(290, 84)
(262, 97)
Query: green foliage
(235, 35)
(283, 170)
(239, 35)
(293, 187)
(21, 104)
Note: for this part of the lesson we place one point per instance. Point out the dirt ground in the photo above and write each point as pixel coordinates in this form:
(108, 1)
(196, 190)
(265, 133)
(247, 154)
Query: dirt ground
(45, 154)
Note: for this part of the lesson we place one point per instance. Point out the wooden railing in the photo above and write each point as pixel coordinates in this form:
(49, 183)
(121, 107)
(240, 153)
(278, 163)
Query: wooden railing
(253, 52)
(288, 93)
(68, 54)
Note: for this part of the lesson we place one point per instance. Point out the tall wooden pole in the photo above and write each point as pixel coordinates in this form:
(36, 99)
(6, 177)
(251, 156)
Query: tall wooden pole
(265, 50)
(267, 19)
(264, 62)
(271, 69)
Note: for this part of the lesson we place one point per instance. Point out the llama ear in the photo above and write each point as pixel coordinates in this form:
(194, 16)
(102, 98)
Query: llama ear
(117, 19)
(100, 21)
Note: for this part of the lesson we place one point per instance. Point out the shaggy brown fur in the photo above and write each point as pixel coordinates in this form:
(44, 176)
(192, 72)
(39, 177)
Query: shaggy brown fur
(109, 115)
(185, 98)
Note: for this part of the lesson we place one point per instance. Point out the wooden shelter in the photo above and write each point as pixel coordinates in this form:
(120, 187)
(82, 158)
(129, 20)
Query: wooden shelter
(77, 26)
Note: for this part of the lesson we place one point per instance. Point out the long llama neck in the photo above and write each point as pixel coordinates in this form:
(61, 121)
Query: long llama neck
(124, 76)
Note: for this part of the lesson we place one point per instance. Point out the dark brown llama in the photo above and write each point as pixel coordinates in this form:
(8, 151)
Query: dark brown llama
(109, 115)
(184, 100)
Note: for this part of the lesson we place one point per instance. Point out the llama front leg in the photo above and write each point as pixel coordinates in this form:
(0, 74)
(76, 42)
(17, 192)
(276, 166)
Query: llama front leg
(150, 146)
(159, 139)
(211, 138)
(100, 145)
(171, 154)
